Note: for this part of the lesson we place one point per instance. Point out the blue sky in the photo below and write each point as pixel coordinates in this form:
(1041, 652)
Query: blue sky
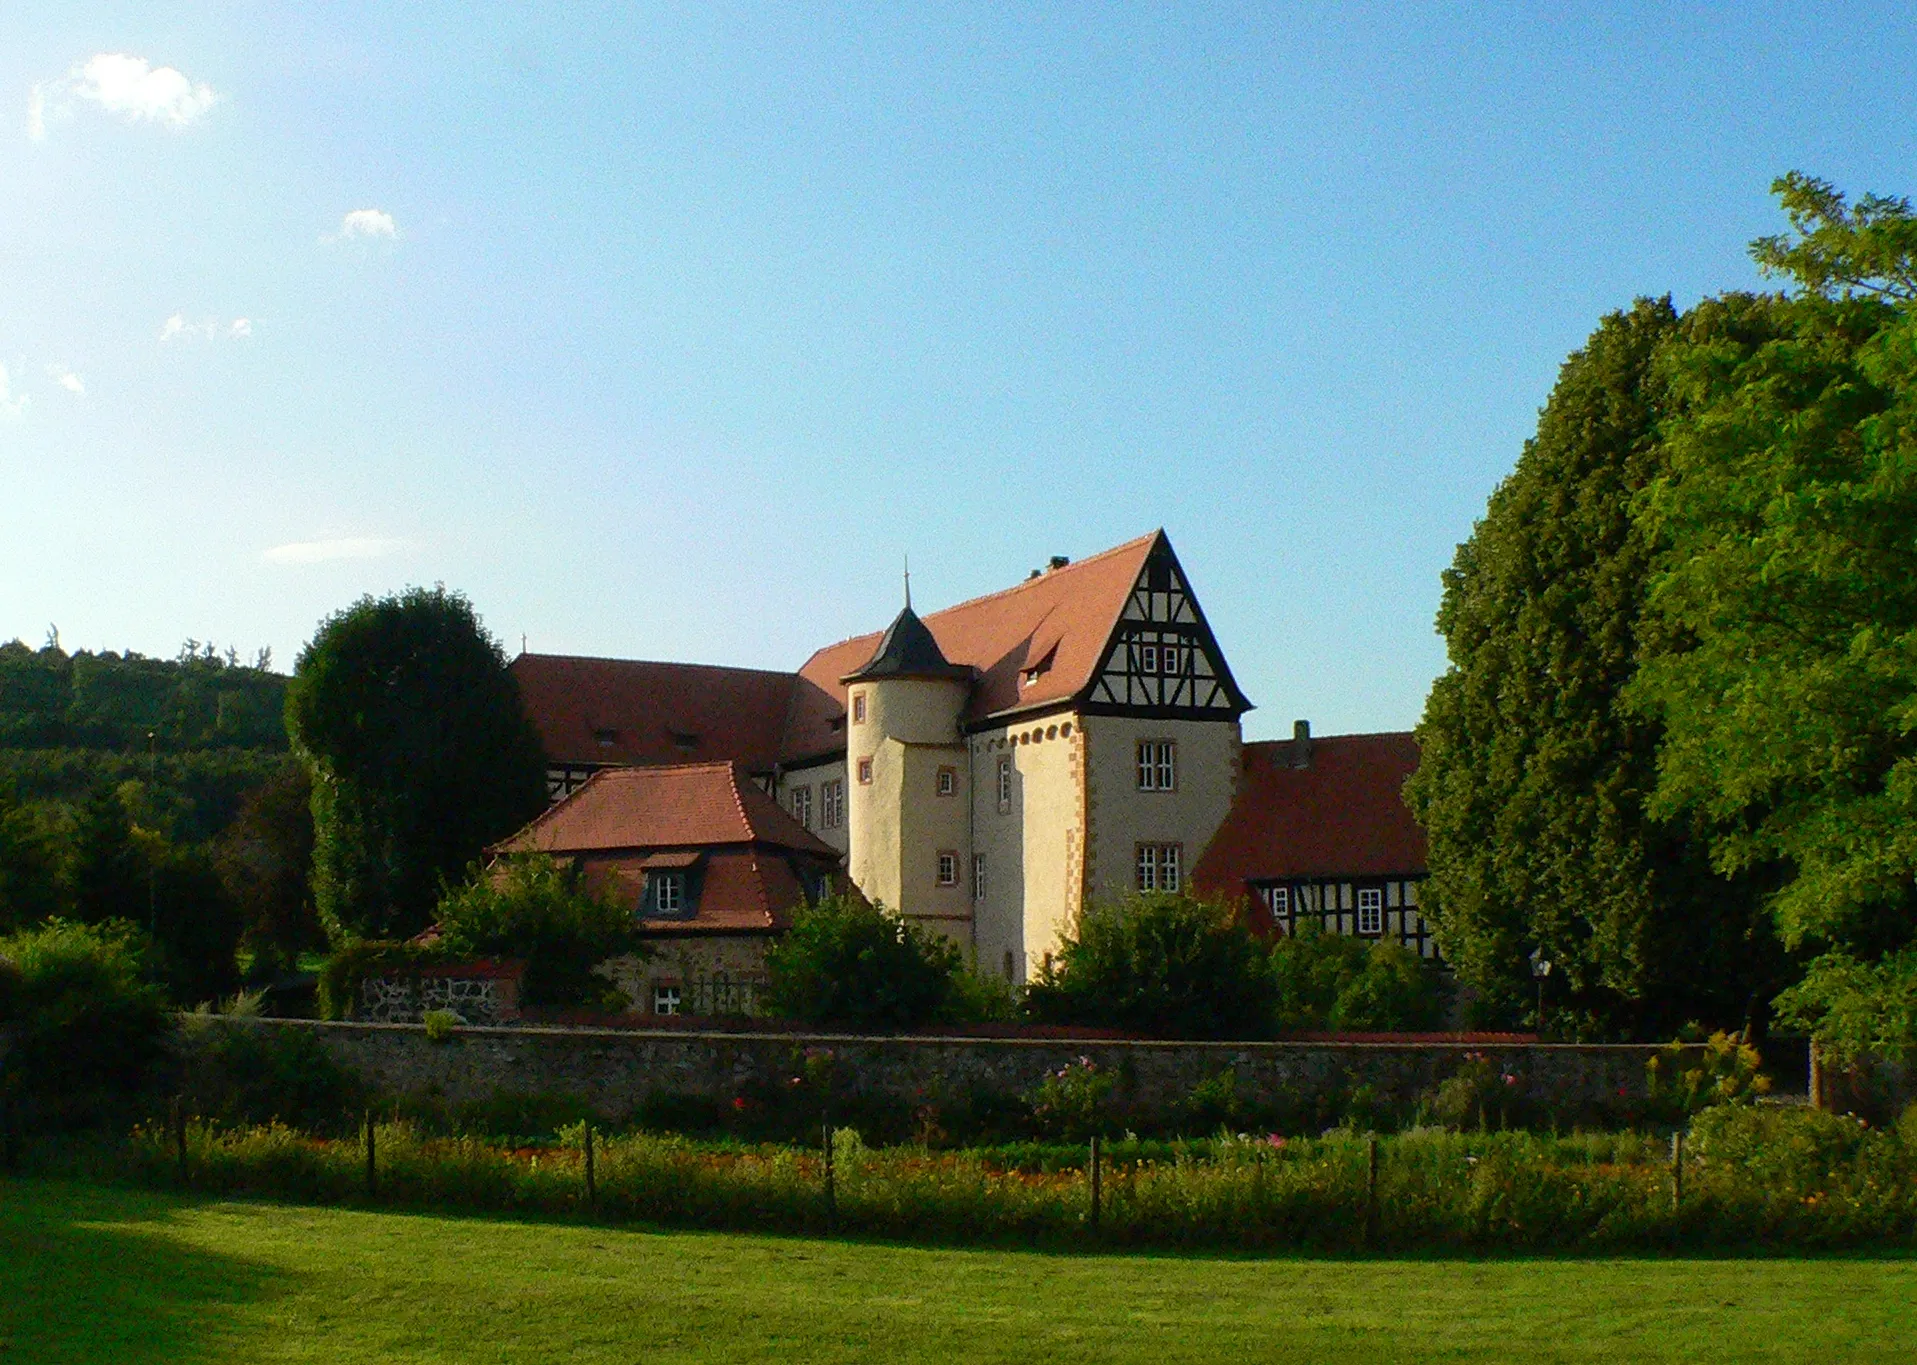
(669, 332)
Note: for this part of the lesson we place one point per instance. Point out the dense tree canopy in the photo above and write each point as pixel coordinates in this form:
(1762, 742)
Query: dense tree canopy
(1534, 774)
(542, 913)
(420, 755)
(1789, 505)
(855, 965)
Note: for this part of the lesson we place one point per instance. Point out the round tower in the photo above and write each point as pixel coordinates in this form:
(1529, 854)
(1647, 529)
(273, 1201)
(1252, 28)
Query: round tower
(906, 801)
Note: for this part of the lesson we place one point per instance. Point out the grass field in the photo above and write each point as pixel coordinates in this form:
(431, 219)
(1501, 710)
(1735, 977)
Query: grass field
(94, 1274)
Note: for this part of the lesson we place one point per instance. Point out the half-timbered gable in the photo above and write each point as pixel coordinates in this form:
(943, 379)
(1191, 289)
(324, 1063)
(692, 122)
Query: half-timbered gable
(1162, 657)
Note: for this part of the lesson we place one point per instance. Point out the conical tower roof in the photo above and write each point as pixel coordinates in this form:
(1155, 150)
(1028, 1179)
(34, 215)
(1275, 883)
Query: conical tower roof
(907, 650)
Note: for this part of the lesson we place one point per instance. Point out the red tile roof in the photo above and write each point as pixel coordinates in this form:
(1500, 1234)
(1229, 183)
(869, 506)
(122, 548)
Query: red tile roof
(1067, 613)
(652, 713)
(740, 890)
(1343, 815)
(699, 805)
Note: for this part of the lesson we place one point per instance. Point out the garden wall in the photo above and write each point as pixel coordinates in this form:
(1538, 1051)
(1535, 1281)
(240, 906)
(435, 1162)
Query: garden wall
(615, 1070)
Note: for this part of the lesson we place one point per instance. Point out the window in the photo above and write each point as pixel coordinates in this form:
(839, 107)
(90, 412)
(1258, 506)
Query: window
(832, 803)
(1370, 910)
(1157, 765)
(865, 772)
(1280, 900)
(858, 708)
(948, 868)
(1148, 658)
(947, 781)
(1158, 867)
(1171, 660)
(978, 876)
(668, 892)
(1004, 784)
(665, 999)
(605, 739)
(802, 805)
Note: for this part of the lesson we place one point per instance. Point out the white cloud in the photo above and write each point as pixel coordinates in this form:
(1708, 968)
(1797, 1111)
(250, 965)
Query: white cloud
(364, 225)
(66, 379)
(122, 84)
(177, 328)
(338, 547)
(10, 406)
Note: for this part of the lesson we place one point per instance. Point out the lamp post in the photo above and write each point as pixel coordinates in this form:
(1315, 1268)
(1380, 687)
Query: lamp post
(1540, 968)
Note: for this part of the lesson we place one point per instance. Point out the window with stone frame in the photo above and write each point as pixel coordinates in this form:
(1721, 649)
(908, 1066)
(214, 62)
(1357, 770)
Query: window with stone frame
(865, 772)
(945, 783)
(1157, 765)
(1005, 783)
(948, 867)
(1158, 866)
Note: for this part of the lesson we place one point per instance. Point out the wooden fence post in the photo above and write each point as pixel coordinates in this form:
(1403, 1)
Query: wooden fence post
(372, 1166)
(831, 1195)
(1095, 1184)
(1677, 1169)
(1371, 1189)
(592, 1193)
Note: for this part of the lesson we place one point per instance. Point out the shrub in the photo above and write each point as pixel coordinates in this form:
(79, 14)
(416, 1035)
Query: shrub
(440, 1025)
(854, 965)
(531, 908)
(236, 1072)
(1073, 1102)
(1683, 1080)
(1325, 981)
(347, 970)
(980, 998)
(87, 1029)
(1157, 964)
(1477, 1095)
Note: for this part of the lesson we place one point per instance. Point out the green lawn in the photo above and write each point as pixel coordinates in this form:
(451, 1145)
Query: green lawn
(90, 1274)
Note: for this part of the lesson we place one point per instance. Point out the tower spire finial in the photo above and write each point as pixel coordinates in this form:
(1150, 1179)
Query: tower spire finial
(908, 582)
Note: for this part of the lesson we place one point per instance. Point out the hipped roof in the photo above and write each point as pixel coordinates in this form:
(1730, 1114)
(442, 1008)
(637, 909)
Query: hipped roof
(698, 805)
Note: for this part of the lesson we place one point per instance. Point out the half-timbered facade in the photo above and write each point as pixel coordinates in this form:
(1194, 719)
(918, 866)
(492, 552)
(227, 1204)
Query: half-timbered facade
(985, 770)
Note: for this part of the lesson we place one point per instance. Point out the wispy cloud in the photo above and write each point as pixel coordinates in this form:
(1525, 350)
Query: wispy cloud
(364, 225)
(10, 405)
(337, 547)
(66, 379)
(122, 84)
(177, 328)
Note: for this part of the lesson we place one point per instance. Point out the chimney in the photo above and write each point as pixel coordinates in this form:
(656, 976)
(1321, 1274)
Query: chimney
(1059, 562)
(1301, 744)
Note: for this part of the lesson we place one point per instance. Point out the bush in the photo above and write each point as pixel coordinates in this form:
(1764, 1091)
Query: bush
(980, 998)
(1686, 1079)
(535, 910)
(857, 966)
(235, 1072)
(1073, 1102)
(1161, 965)
(347, 970)
(87, 1029)
(1323, 981)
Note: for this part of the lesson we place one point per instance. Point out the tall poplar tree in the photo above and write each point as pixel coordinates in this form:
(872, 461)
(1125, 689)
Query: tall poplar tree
(420, 753)
(1534, 775)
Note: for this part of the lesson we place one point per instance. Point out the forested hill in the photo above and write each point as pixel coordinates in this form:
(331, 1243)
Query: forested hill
(50, 699)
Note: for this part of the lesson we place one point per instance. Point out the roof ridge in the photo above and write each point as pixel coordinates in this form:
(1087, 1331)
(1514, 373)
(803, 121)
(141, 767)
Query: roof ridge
(738, 803)
(1356, 734)
(1044, 577)
(526, 830)
(618, 769)
(659, 663)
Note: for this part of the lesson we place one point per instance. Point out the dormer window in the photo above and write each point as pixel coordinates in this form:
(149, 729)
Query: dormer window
(837, 725)
(684, 740)
(605, 738)
(668, 892)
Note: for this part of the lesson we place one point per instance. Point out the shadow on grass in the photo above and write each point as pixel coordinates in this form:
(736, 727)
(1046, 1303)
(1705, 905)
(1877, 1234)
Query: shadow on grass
(88, 1274)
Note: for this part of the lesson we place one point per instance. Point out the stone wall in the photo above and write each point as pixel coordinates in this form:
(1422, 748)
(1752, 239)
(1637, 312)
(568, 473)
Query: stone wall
(614, 1070)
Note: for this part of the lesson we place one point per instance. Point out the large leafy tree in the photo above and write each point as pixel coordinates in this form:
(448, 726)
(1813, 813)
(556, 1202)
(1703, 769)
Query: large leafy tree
(1790, 508)
(420, 754)
(1534, 775)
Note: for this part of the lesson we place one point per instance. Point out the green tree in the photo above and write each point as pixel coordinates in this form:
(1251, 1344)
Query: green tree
(1534, 774)
(29, 867)
(1160, 965)
(265, 862)
(420, 755)
(1788, 506)
(531, 908)
(1323, 981)
(854, 965)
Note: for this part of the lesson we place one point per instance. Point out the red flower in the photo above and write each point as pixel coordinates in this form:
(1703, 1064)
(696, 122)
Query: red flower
(739, 1103)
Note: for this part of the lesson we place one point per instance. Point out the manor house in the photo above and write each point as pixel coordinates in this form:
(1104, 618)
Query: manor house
(985, 771)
